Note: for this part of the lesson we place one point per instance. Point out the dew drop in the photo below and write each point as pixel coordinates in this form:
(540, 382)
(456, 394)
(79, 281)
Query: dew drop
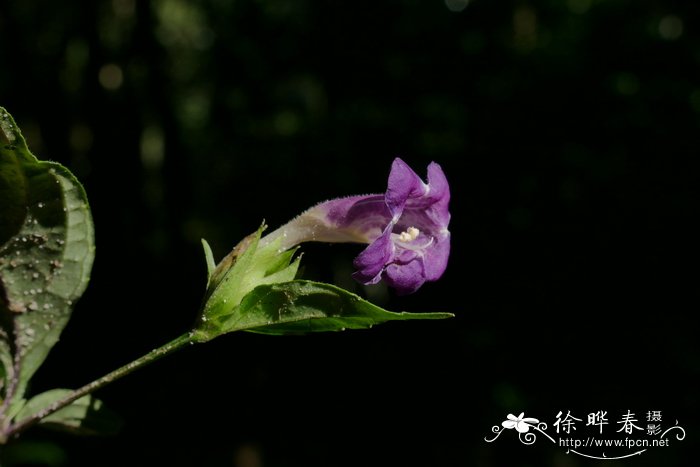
(40, 205)
(35, 275)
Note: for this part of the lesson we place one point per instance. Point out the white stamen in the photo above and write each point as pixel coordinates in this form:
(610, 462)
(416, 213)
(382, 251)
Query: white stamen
(409, 235)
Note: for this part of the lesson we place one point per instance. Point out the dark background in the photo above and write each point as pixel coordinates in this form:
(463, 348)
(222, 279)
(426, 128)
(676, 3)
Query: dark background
(568, 131)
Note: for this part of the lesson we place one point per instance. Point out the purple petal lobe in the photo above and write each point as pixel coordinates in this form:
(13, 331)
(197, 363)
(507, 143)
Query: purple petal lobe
(436, 258)
(403, 185)
(439, 194)
(405, 278)
(370, 263)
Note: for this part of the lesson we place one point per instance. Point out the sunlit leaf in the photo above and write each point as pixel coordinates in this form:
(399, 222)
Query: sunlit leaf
(46, 253)
(86, 416)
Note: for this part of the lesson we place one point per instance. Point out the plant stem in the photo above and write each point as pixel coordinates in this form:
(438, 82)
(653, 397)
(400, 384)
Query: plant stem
(150, 357)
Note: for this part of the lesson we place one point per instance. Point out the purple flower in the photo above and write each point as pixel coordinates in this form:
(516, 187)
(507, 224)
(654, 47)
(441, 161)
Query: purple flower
(406, 228)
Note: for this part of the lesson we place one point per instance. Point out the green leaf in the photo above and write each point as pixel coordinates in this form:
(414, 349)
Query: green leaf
(86, 416)
(46, 253)
(304, 306)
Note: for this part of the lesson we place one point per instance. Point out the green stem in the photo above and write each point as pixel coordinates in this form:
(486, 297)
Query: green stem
(150, 357)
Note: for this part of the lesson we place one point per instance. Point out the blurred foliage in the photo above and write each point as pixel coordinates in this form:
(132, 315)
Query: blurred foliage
(33, 453)
(568, 130)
